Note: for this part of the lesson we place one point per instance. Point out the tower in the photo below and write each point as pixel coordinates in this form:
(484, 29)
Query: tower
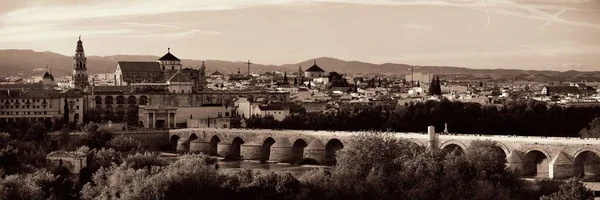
(80, 76)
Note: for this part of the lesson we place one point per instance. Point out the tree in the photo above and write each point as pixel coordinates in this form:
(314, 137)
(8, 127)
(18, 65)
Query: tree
(571, 190)
(295, 80)
(36, 133)
(438, 86)
(309, 85)
(66, 111)
(285, 78)
(94, 137)
(337, 80)
(592, 130)
(432, 87)
(418, 83)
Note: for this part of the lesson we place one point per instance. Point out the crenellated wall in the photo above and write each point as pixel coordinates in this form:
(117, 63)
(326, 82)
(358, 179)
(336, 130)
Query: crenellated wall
(558, 157)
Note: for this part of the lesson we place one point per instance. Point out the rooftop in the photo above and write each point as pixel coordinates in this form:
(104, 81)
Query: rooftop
(129, 66)
(315, 68)
(169, 57)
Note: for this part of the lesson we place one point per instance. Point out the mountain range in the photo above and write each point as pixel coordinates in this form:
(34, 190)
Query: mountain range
(31, 63)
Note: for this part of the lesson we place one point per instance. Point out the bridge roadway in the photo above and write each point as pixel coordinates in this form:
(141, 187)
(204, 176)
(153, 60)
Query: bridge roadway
(559, 157)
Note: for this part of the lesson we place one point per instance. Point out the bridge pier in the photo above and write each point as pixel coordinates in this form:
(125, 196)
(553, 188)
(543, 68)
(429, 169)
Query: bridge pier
(316, 151)
(223, 149)
(198, 146)
(251, 151)
(281, 151)
(183, 145)
(561, 166)
(514, 162)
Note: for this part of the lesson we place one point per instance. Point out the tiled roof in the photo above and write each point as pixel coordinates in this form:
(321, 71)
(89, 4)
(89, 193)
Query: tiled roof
(179, 77)
(315, 68)
(513, 157)
(562, 159)
(562, 89)
(271, 107)
(216, 73)
(112, 89)
(47, 75)
(22, 86)
(30, 93)
(127, 66)
(169, 57)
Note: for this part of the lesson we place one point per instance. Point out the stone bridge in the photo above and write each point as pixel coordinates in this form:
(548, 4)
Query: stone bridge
(551, 157)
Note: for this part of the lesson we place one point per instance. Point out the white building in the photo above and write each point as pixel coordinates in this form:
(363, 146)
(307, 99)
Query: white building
(279, 112)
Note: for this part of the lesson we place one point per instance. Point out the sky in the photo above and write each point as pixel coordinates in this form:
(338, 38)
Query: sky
(511, 34)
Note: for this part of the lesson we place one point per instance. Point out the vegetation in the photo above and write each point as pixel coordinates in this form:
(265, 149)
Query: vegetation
(528, 118)
(374, 166)
(572, 190)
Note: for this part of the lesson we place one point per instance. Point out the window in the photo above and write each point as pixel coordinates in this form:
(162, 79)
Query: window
(226, 114)
(77, 108)
(45, 112)
(77, 100)
(28, 113)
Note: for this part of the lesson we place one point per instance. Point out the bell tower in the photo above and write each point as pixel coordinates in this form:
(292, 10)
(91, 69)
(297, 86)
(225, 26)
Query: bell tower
(80, 76)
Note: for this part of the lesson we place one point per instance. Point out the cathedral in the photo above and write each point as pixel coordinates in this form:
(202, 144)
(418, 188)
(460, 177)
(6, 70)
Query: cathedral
(167, 73)
(144, 90)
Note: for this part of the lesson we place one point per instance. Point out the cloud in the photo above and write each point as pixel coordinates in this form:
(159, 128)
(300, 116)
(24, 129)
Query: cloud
(151, 25)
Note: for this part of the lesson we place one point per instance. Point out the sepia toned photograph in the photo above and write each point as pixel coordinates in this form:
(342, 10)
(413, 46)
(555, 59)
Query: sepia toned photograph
(299, 99)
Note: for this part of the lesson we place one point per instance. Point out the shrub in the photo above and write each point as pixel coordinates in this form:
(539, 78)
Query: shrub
(124, 144)
(571, 190)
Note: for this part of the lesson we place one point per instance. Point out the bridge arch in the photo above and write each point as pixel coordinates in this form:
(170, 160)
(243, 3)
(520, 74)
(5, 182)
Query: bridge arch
(504, 148)
(193, 137)
(417, 142)
(236, 144)
(266, 147)
(173, 142)
(586, 162)
(214, 141)
(332, 146)
(536, 162)
(453, 145)
(298, 149)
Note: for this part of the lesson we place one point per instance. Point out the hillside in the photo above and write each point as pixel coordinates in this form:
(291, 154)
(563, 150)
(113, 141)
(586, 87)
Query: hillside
(14, 62)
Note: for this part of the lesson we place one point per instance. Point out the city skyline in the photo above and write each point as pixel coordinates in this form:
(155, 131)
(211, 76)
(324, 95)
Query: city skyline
(538, 35)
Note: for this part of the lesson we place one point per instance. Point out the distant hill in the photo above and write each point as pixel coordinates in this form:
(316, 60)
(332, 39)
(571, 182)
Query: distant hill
(13, 62)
